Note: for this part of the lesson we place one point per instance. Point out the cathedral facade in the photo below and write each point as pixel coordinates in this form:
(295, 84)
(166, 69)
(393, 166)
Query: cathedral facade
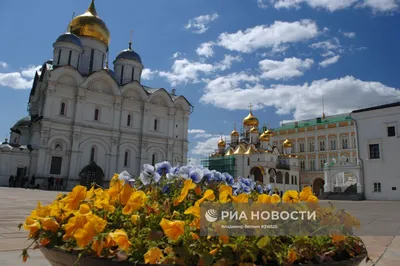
(86, 121)
(252, 154)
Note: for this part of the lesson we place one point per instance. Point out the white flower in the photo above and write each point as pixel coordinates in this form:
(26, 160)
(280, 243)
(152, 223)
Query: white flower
(149, 174)
(126, 177)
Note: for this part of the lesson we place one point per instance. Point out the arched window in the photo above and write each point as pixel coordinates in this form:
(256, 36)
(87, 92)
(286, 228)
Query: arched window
(279, 178)
(59, 57)
(122, 75)
(153, 159)
(96, 114)
(126, 158)
(133, 74)
(128, 121)
(287, 178)
(292, 180)
(91, 61)
(69, 57)
(102, 61)
(295, 179)
(93, 154)
(15, 140)
(248, 161)
(62, 109)
(155, 124)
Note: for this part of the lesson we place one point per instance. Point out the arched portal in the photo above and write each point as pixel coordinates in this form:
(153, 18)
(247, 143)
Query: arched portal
(342, 181)
(90, 174)
(318, 186)
(272, 175)
(258, 174)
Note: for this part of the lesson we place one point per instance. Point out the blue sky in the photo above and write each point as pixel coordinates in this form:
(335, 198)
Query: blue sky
(279, 55)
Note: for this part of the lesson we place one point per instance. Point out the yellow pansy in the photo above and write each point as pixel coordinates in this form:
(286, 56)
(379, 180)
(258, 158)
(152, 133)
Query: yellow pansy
(125, 193)
(275, 199)
(291, 196)
(195, 223)
(188, 185)
(194, 236)
(242, 198)
(134, 218)
(136, 201)
(225, 193)
(193, 210)
(312, 199)
(214, 251)
(264, 198)
(305, 193)
(121, 239)
(49, 224)
(32, 225)
(208, 195)
(292, 255)
(172, 229)
(74, 198)
(153, 256)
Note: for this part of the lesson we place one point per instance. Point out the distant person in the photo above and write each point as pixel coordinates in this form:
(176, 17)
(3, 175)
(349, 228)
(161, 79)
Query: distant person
(57, 184)
(23, 179)
(61, 183)
(16, 181)
(50, 183)
(11, 181)
(33, 182)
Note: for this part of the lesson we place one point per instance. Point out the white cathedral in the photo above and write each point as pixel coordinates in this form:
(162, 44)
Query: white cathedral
(87, 122)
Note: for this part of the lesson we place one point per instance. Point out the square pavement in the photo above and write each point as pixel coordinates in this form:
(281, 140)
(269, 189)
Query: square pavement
(17, 203)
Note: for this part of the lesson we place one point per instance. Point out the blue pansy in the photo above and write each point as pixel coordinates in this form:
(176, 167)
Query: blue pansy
(163, 168)
(196, 175)
(149, 175)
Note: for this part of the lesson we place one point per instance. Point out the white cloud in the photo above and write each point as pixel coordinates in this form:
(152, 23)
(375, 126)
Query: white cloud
(326, 45)
(302, 101)
(205, 49)
(227, 62)
(334, 5)
(208, 146)
(286, 69)
(193, 160)
(262, 3)
(175, 55)
(196, 131)
(30, 71)
(267, 36)
(3, 64)
(148, 74)
(19, 80)
(328, 53)
(200, 24)
(381, 5)
(202, 136)
(330, 61)
(349, 34)
(184, 71)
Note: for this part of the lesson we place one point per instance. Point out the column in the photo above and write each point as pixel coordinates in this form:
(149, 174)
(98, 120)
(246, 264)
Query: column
(74, 161)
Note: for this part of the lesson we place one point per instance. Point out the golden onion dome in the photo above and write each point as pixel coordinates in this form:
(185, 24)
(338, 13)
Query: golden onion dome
(221, 143)
(269, 132)
(250, 120)
(90, 25)
(240, 150)
(287, 144)
(264, 136)
(229, 152)
(250, 150)
(234, 133)
(254, 130)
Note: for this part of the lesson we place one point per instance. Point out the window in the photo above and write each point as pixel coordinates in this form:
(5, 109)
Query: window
(96, 114)
(295, 180)
(292, 180)
(311, 146)
(302, 165)
(91, 61)
(374, 151)
(59, 57)
(15, 140)
(248, 161)
(333, 144)
(344, 143)
(69, 57)
(122, 75)
(391, 131)
(301, 147)
(312, 165)
(62, 109)
(377, 187)
(133, 74)
(153, 159)
(354, 142)
(287, 178)
(55, 168)
(102, 61)
(93, 154)
(128, 121)
(322, 145)
(155, 124)
(322, 163)
(126, 159)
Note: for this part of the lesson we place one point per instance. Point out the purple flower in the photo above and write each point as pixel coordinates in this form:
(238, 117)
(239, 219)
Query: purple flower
(163, 168)
(196, 175)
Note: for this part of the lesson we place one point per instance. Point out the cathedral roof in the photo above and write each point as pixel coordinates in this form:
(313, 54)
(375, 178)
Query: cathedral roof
(23, 122)
(316, 121)
(71, 38)
(129, 54)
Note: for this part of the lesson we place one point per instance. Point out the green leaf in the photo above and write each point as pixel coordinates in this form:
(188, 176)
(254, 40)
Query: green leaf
(263, 242)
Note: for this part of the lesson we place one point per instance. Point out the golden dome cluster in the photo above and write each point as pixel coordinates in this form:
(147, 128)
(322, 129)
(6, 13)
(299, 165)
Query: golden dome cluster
(234, 133)
(254, 130)
(90, 25)
(264, 136)
(221, 143)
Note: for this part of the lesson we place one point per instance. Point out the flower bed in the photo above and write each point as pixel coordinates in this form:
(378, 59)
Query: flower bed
(156, 220)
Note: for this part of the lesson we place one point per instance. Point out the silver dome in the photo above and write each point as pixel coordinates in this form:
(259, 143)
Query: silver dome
(129, 55)
(69, 37)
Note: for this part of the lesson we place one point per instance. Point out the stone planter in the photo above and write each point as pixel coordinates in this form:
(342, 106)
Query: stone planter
(58, 257)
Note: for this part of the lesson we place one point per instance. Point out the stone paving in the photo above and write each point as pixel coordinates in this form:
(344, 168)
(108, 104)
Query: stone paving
(16, 204)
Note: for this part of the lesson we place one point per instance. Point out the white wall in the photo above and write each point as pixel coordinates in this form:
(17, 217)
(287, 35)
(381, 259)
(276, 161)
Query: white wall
(372, 129)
